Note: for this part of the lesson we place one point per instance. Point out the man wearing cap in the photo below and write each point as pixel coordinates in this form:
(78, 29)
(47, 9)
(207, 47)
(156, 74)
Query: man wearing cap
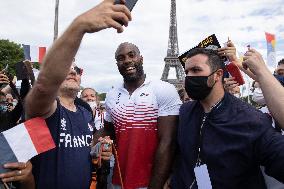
(222, 140)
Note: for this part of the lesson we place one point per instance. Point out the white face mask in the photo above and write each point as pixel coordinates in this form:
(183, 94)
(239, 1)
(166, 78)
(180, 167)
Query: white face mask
(258, 97)
(93, 105)
(238, 95)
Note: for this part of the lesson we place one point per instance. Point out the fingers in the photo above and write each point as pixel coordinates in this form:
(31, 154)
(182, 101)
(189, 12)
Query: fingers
(15, 175)
(19, 173)
(228, 51)
(224, 49)
(114, 24)
(118, 16)
(15, 165)
(230, 44)
(4, 79)
(123, 9)
(230, 83)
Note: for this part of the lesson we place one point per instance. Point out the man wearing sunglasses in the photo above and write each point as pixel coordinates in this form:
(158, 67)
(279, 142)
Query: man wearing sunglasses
(52, 97)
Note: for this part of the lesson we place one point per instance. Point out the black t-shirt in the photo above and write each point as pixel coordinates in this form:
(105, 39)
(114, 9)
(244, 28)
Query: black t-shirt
(9, 119)
(69, 164)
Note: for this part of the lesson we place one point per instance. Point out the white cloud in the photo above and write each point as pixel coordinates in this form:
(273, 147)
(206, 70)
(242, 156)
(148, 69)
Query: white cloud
(31, 22)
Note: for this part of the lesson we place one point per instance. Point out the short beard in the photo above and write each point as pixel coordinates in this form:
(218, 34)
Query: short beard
(68, 92)
(139, 74)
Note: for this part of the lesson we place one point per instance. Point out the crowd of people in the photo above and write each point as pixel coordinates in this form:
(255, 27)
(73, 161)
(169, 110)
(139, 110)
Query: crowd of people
(202, 136)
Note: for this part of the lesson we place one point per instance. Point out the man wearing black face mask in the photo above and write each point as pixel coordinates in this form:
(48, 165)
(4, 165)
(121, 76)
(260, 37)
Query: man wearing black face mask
(221, 139)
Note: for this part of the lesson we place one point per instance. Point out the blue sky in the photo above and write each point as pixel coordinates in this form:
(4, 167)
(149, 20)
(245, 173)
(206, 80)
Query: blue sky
(244, 21)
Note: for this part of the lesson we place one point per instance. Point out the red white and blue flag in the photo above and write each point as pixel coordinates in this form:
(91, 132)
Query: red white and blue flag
(271, 54)
(24, 141)
(34, 53)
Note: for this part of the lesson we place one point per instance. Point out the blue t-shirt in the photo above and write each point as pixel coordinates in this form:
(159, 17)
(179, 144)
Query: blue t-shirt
(68, 166)
(236, 140)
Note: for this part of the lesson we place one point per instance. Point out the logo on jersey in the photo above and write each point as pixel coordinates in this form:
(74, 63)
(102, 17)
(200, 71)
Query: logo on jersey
(117, 101)
(63, 124)
(143, 94)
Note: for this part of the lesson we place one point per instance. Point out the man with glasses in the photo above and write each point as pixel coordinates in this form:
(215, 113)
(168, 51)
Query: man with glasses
(52, 97)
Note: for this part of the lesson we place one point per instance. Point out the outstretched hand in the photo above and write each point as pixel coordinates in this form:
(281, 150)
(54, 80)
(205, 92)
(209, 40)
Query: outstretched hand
(4, 79)
(230, 51)
(105, 15)
(254, 61)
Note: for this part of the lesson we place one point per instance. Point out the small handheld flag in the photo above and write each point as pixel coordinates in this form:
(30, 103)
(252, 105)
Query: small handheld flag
(34, 53)
(24, 141)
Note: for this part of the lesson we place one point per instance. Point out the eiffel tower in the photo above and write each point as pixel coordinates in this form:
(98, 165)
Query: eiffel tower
(171, 60)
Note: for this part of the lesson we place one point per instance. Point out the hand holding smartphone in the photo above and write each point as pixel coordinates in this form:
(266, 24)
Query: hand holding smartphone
(235, 72)
(128, 3)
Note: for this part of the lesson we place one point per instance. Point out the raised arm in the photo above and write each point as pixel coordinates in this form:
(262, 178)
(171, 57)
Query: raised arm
(56, 65)
(272, 90)
(231, 53)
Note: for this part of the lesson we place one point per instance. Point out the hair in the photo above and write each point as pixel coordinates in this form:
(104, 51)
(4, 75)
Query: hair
(281, 62)
(89, 88)
(215, 62)
(127, 44)
(97, 96)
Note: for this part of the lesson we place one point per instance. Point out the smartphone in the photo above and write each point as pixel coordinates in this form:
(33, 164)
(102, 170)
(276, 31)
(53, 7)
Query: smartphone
(5, 71)
(129, 3)
(21, 71)
(235, 72)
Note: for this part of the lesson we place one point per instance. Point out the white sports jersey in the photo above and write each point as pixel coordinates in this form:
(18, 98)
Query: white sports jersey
(151, 100)
(135, 119)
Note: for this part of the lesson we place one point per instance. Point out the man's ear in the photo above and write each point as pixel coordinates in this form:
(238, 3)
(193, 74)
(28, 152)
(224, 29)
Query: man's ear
(219, 74)
(141, 58)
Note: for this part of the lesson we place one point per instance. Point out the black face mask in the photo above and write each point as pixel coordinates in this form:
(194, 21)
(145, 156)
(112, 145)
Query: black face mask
(196, 86)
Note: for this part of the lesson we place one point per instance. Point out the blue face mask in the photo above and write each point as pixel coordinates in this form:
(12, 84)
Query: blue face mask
(3, 108)
(280, 78)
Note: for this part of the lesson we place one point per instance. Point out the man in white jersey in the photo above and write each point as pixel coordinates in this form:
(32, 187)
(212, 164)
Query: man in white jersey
(143, 114)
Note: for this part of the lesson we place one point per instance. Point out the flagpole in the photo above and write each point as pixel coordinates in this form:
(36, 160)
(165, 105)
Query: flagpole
(56, 20)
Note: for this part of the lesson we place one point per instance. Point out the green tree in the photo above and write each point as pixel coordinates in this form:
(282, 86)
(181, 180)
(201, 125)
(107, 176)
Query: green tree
(10, 53)
(102, 96)
(245, 98)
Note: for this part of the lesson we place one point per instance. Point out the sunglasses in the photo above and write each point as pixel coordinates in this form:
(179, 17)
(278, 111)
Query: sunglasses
(78, 70)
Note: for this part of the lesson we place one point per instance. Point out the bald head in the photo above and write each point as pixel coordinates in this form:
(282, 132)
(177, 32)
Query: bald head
(127, 45)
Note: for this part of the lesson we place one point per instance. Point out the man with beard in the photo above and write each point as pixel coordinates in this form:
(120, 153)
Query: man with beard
(143, 115)
(52, 97)
(222, 140)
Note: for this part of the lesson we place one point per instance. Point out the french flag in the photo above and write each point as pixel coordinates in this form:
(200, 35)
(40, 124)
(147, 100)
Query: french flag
(24, 141)
(34, 53)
